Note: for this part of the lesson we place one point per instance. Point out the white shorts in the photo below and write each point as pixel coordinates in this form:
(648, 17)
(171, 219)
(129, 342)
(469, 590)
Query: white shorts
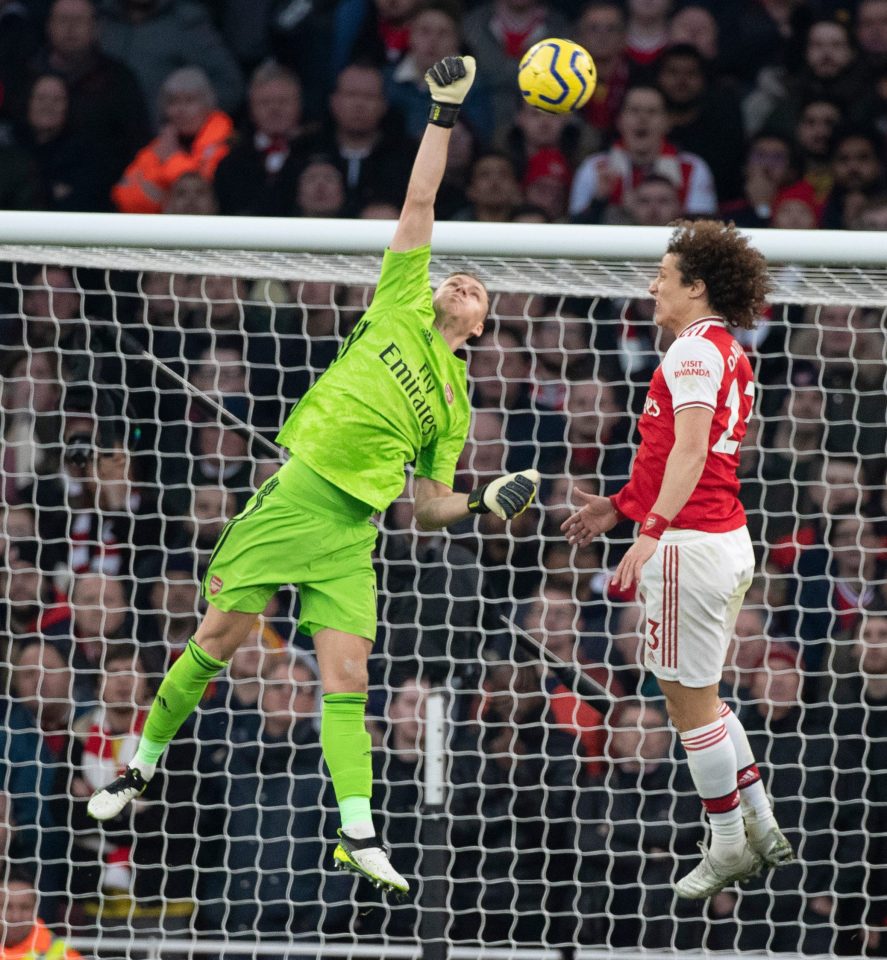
(692, 589)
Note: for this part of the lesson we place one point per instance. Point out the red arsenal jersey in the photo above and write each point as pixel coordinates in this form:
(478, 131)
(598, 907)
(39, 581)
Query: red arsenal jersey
(704, 367)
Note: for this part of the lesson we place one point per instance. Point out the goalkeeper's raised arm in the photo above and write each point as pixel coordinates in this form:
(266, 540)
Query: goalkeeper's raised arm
(449, 81)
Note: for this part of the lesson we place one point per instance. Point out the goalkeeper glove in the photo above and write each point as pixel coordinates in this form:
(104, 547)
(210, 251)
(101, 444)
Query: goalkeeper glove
(449, 80)
(507, 497)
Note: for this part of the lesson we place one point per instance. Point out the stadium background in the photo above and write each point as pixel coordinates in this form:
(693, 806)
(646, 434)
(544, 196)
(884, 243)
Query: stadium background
(562, 828)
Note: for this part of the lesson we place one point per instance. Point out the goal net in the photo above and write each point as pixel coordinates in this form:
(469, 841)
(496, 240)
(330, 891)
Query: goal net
(141, 394)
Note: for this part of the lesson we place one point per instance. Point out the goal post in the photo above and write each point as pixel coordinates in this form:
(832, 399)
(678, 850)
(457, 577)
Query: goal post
(534, 825)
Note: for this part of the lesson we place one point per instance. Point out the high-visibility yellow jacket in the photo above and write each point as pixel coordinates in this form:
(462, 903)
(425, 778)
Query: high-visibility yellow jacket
(146, 181)
(39, 944)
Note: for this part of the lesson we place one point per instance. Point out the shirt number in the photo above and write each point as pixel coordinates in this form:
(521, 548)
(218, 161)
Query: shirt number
(726, 444)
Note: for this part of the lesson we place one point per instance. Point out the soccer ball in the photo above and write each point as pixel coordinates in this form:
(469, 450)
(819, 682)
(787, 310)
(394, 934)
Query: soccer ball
(557, 76)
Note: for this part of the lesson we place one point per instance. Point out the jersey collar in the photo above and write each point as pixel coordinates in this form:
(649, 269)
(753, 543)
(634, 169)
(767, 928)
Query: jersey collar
(718, 320)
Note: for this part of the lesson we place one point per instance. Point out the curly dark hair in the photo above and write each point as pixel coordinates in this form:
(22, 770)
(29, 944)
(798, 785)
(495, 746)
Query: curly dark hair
(734, 273)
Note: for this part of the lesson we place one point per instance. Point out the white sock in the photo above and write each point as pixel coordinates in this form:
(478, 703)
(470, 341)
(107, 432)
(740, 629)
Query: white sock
(145, 769)
(755, 804)
(712, 762)
(360, 829)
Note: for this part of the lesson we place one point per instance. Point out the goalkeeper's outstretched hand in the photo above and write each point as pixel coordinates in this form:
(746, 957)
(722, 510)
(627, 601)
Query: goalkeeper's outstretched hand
(450, 79)
(508, 496)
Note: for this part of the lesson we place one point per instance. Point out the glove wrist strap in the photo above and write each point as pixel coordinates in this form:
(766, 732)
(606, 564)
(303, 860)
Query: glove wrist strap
(443, 114)
(476, 500)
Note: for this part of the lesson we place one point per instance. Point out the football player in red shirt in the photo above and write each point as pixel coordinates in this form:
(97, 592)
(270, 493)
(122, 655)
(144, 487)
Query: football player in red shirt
(693, 558)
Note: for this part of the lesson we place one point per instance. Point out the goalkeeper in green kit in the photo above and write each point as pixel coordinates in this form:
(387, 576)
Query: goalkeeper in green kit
(395, 393)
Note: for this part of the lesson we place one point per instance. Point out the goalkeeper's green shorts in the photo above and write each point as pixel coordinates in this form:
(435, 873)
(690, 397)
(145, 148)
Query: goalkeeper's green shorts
(299, 528)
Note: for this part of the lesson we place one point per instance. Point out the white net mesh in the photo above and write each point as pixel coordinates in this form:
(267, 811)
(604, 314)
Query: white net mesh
(562, 829)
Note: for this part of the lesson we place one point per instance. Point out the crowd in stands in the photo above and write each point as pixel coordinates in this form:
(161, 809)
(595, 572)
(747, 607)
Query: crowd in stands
(770, 112)
(564, 825)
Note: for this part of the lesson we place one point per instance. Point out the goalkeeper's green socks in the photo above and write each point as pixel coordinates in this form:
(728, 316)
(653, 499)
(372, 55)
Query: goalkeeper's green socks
(177, 697)
(347, 750)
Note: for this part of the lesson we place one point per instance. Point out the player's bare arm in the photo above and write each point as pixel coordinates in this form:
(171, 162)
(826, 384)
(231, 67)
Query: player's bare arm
(683, 468)
(437, 506)
(449, 81)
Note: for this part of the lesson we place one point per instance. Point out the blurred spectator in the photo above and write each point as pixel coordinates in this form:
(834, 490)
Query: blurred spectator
(860, 690)
(830, 69)
(535, 131)
(363, 139)
(320, 189)
(754, 35)
(704, 115)
(559, 347)
(510, 563)
(156, 37)
(604, 178)
(173, 600)
(42, 687)
(695, 24)
(850, 345)
(113, 527)
(646, 30)
(654, 202)
(33, 607)
(637, 829)
(19, 39)
(220, 454)
(71, 174)
(299, 38)
(460, 158)
(501, 379)
(832, 596)
(873, 216)
(399, 767)
(18, 176)
(871, 32)
(432, 609)
(194, 139)
(107, 106)
(498, 33)
(792, 910)
(191, 194)
(274, 883)
(601, 28)
(746, 650)
(857, 174)
(212, 506)
(160, 891)
(258, 176)
(554, 620)
(597, 435)
(31, 423)
(813, 135)
(795, 208)
(22, 933)
(435, 33)
(771, 164)
(377, 31)
(101, 613)
(547, 183)
(111, 743)
(493, 190)
(830, 488)
(233, 699)
(514, 778)
(42, 684)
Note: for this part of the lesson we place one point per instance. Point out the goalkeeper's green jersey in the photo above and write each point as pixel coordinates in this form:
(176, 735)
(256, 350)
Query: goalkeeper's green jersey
(395, 393)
